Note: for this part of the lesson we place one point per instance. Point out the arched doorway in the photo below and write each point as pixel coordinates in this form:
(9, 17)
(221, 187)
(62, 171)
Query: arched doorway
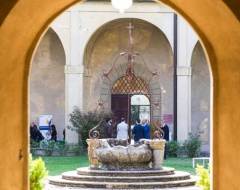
(124, 99)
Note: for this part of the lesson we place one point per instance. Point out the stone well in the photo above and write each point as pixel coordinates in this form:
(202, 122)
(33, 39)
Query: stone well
(117, 154)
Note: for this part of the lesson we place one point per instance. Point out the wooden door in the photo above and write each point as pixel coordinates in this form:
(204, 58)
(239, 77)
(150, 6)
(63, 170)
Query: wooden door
(120, 106)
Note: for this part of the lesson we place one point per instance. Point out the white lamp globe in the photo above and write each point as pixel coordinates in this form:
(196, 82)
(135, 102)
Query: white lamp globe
(121, 5)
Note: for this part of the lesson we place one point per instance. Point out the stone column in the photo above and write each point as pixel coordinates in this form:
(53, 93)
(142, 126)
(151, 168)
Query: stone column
(183, 83)
(74, 75)
(74, 81)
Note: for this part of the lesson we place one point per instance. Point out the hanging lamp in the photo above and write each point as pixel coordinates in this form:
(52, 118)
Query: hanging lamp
(121, 5)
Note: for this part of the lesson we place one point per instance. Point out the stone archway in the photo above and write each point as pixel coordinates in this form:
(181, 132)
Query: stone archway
(154, 87)
(200, 96)
(109, 41)
(215, 31)
(47, 81)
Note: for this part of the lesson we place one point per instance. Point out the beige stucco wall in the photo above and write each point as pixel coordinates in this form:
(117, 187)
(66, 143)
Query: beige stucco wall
(23, 23)
(47, 82)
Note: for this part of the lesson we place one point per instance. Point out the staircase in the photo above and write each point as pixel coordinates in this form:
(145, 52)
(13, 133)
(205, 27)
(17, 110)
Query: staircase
(150, 179)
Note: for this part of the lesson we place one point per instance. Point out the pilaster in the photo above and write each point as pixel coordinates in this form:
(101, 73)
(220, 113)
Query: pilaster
(74, 76)
(184, 73)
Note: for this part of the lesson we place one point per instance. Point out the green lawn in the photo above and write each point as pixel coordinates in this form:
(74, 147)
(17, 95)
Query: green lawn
(181, 164)
(57, 165)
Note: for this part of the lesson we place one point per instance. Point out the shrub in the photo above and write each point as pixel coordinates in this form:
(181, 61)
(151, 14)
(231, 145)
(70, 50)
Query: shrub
(48, 146)
(82, 122)
(34, 145)
(78, 149)
(192, 145)
(61, 147)
(37, 173)
(172, 148)
(204, 175)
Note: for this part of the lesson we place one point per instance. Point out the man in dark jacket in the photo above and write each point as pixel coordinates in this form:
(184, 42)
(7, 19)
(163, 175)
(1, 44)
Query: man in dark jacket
(138, 131)
(165, 129)
(108, 128)
(146, 128)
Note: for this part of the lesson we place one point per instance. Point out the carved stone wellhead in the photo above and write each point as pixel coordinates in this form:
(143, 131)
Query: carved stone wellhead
(118, 155)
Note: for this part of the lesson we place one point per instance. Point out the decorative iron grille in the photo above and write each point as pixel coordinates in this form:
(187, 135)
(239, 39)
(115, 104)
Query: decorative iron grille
(135, 86)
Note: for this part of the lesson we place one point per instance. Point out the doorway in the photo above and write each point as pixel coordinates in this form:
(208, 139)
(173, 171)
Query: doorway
(130, 99)
(140, 108)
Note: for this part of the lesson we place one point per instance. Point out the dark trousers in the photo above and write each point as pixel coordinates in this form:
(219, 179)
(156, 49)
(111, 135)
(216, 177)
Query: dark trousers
(165, 151)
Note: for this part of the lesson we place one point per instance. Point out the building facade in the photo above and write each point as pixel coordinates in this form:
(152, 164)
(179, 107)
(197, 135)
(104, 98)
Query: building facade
(86, 40)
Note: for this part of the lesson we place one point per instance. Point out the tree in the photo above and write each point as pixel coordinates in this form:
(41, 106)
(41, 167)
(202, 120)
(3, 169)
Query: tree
(83, 122)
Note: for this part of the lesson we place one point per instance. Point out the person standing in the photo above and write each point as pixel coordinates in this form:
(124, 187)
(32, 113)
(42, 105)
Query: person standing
(146, 127)
(165, 129)
(36, 134)
(122, 130)
(138, 131)
(108, 128)
(64, 134)
(31, 128)
(53, 133)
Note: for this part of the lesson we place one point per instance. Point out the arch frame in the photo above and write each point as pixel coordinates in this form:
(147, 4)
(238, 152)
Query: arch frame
(203, 15)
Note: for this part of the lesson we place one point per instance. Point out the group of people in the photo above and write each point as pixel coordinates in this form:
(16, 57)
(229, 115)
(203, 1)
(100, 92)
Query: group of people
(140, 131)
(36, 135)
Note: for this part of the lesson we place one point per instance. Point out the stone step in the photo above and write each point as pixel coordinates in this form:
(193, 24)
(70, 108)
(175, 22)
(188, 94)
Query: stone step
(87, 171)
(57, 180)
(178, 175)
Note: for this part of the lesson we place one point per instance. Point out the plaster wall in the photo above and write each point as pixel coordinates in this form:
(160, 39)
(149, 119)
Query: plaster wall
(47, 82)
(109, 42)
(91, 18)
(200, 106)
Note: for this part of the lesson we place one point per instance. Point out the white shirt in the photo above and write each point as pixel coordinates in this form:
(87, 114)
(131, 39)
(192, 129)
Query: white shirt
(122, 130)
